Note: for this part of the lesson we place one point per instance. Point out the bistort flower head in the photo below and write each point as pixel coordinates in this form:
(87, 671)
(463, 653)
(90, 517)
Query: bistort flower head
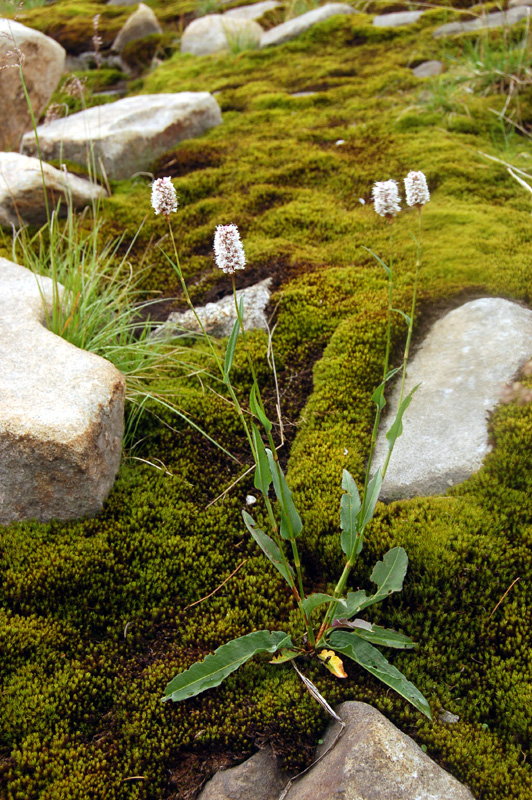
(228, 250)
(417, 191)
(163, 197)
(386, 198)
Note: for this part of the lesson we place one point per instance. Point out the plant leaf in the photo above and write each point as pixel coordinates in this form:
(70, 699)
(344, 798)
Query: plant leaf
(404, 316)
(291, 525)
(263, 476)
(397, 426)
(386, 637)
(269, 548)
(286, 654)
(381, 262)
(231, 344)
(226, 659)
(354, 602)
(389, 573)
(367, 656)
(349, 509)
(333, 663)
(378, 396)
(314, 601)
(370, 500)
(257, 409)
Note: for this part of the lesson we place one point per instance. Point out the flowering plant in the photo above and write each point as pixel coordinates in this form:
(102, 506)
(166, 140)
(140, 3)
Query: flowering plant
(341, 631)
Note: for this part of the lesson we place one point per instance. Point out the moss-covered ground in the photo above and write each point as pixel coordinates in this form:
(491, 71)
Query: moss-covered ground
(94, 615)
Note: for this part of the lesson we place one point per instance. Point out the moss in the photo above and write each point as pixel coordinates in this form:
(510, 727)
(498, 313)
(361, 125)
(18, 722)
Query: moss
(96, 615)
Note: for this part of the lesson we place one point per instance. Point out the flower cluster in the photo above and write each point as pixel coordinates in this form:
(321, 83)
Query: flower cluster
(386, 198)
(228, 250)
(417, 191)
(163, 197)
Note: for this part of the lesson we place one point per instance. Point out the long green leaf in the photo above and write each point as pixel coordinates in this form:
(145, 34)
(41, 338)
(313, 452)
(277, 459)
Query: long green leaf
(385, 637)
(367, 656)
(231, 344)
(269, 548)
(291, 525)
(263, 476)
(349, 508)
(354, 602)
(257, 409)
(397, 426)
(217, 666)
(381, 262)
(314, 601)
(370, 500)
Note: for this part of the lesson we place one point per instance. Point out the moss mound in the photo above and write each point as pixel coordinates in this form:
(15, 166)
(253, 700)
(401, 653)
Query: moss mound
(97, 615)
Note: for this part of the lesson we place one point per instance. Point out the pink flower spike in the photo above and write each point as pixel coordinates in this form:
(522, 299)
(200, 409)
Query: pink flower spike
(386, 200)
(417, 191)
(228, 250)
(163, 197)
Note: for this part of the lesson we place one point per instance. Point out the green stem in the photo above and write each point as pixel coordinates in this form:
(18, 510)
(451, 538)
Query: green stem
(292, 539)
(209, 342)
(408, 337)
(340, 586)
(385, 366)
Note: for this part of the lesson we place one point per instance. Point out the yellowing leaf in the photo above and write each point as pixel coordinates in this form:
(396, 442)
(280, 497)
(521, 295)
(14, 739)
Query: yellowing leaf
(333, 663)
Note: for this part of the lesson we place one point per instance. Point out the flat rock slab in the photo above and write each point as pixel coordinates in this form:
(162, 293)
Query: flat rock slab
(141, 23)
(298, 25)
(219, 318)
(130, 134)
(254, 11)
(462, 366)
(44, 61)
(258, 778)
(22, 194)
(374, 760)
(428, 69)
(215, 33)
(397, 19)
(497, 19)
(61, 412)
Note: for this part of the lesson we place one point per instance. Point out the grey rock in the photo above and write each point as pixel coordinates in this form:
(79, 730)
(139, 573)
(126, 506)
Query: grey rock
(429, 69)
(215, 32)
(254, 11)
(448, 718)
(514, 3)
(130, 134)
(397, 19)
(22, 194)
(218, 318)
(44, 61)
(61, 412)
(258, 778)
(294, 27)
(122, 2)
(141, 23)
(374, 760)
(496, 19)
(462, 366)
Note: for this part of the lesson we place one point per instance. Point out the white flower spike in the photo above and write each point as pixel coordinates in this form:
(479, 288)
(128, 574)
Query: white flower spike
(386, 200)
(163, 197)
(228, 250)
(417, 191)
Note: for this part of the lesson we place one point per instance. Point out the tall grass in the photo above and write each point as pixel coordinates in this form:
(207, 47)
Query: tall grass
(98, 306)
